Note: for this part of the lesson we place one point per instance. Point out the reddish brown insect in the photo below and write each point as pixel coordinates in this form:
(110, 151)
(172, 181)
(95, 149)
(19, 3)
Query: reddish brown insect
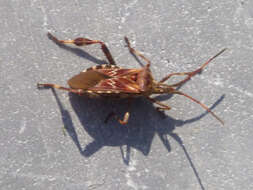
(109, 80)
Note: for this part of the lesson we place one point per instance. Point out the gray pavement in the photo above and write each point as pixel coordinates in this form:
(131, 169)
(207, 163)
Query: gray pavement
(183, 149)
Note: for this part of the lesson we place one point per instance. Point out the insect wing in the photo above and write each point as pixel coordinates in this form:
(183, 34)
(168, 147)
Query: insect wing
(116, 85)
(118, 72)
(87, 79)
(106, 79)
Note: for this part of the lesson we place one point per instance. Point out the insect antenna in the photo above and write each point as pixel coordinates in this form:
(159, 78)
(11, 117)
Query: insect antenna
(190, 74)
(198, 102)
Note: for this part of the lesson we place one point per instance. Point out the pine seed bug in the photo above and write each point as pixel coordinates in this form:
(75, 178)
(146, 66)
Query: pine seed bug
(111, 81)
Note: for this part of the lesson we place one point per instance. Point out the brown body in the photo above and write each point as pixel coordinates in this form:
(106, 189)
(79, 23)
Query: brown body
(112, 81)
(109, 80)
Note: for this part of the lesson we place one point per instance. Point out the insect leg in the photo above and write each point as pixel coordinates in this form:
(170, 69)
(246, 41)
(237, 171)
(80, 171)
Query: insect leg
(125, 119)
(135, 52)
(163, 106)
(84, 42)
(76, 91)
(190, 74)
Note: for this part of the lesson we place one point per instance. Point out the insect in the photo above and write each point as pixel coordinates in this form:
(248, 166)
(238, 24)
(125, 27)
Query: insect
(111, 81)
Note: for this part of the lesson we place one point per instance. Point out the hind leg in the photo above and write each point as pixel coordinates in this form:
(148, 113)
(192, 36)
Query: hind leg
(47, 85)
(84, 42)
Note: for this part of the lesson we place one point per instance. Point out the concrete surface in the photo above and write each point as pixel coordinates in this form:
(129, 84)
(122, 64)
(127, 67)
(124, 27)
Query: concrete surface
(185, 149)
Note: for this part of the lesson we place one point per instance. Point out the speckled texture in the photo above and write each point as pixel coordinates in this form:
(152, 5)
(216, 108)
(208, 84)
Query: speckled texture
(187, 149)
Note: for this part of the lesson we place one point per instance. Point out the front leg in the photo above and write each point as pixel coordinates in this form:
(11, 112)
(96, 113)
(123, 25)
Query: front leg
(136, 52)
(163, 106)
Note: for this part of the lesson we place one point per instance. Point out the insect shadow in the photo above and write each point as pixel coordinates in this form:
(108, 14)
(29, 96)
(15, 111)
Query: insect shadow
(138, 134)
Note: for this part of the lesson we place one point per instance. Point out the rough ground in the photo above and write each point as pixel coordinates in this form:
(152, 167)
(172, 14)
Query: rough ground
(185, 149)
